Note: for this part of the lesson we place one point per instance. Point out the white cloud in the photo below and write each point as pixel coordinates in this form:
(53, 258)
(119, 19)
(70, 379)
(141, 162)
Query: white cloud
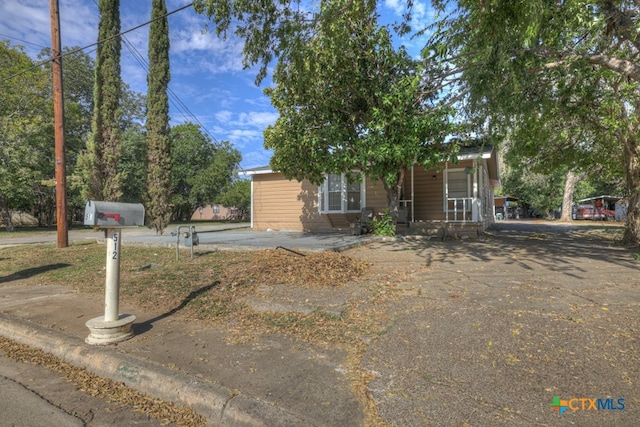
(30, 22)
(223, 116)
(204, 51)
(240, 136)
(257, 119)
(398, 7)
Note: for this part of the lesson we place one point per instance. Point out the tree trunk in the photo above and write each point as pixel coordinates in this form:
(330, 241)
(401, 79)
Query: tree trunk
(567, 198)
(393, 195)
(632, 169)
(6, 215)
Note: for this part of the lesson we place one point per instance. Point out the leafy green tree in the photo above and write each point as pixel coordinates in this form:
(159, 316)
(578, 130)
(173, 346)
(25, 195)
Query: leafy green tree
(158, 146)
(78, 77)
(566, 70)
(349, 101)
(24, 89)
(133, 106)
(238, 196)
(269, 28)
(535, 191)
(132, 159)
(200, 170)
(106, 181)
(133, 164)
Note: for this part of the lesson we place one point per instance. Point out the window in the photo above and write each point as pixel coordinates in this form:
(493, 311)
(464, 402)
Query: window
(337, 195)
(458, 189)
(334, 191)
(216, 209)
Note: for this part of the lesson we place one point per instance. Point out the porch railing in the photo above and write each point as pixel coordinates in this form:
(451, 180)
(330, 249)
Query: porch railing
(459, 209)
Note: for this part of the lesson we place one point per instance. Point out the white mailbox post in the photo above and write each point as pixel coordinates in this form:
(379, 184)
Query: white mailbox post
(112, 217)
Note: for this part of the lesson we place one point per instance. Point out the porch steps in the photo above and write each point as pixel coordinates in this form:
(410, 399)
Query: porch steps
(443, 230)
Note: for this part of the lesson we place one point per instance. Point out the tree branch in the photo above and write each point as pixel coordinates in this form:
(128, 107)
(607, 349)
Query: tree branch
(622, 66)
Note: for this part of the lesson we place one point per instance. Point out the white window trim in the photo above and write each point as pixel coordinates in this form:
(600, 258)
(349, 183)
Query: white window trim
(323, 192)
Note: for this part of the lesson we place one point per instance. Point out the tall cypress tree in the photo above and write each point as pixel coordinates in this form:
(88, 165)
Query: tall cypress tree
(105, 181)
(158, 146)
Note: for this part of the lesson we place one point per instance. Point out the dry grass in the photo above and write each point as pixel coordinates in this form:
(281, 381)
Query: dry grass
(210, 288)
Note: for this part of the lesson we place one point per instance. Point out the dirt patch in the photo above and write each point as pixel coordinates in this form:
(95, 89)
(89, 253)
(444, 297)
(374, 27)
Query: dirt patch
(480, 332)
(491, 331)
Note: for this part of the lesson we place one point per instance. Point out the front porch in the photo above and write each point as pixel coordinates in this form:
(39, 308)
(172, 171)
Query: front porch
(442, 230)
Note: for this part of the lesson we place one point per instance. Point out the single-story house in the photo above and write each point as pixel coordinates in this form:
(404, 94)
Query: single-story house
(447, 198)
(214, 211)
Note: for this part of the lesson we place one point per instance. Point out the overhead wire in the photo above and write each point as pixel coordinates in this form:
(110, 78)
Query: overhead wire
(62, 55)
(23, 41)
(175, 99)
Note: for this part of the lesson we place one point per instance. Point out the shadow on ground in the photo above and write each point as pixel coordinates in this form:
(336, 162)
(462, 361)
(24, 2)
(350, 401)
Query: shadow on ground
(30, 272)
(488, 332)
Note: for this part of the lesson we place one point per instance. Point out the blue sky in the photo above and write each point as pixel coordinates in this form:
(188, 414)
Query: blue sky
(206, 71)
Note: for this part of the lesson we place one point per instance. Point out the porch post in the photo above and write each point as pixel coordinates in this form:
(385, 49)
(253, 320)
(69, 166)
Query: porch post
(413, 202)
(445, 189)
(475, 210)
(251, 202)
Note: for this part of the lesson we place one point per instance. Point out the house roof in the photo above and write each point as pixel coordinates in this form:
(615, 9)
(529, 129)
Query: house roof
(472, 152)
(507, 198)
(475, 152)
(257, 170)
(607, 199)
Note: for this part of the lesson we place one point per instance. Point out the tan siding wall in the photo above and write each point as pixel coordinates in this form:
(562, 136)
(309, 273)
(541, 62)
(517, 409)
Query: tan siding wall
(208, 214)
(428, 194)
(487, 196)
(376, 196)
(280, 204)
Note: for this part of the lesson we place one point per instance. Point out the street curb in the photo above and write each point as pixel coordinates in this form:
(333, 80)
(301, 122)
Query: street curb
(219, 405)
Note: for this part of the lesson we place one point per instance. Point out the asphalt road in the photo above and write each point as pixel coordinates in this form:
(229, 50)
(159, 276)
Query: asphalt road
(216, 237)
(32, 395)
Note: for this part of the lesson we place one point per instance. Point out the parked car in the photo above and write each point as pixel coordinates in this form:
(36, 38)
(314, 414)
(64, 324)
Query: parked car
(594, 212)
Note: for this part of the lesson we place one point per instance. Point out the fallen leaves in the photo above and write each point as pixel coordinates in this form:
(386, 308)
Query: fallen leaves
(93, 385)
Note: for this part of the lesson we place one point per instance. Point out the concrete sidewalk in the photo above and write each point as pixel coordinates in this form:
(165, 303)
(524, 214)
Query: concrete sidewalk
(272, 381)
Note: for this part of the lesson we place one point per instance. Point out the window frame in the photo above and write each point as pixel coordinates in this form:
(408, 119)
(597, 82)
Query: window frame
(345, 191)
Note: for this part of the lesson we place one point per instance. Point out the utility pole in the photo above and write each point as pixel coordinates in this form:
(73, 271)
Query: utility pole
(58, 113)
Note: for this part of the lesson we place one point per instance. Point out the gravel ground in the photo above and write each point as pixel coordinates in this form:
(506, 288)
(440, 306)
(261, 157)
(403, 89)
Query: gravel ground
(489, 331)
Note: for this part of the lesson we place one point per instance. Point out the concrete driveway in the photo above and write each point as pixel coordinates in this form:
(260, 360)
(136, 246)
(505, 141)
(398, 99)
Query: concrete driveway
(212, 237)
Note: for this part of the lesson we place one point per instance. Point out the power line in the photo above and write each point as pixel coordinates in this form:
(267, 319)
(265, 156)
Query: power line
(23, 41)
(39, 64)
(174, 98)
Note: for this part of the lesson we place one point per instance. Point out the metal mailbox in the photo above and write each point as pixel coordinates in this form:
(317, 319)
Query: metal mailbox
(113, 214)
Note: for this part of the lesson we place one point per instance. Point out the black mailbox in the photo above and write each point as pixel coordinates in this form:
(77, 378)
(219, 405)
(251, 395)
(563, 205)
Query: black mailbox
(113, 214)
